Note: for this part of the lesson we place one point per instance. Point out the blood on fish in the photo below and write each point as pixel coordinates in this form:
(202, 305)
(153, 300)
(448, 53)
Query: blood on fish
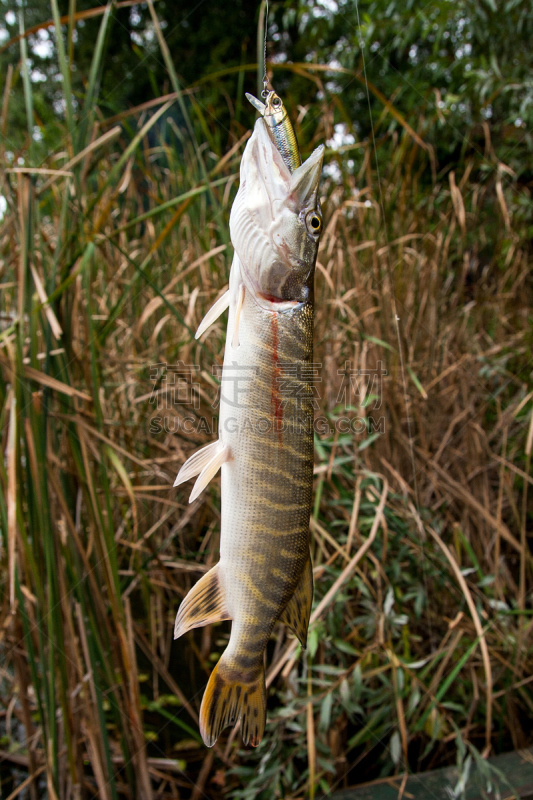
(271, 298)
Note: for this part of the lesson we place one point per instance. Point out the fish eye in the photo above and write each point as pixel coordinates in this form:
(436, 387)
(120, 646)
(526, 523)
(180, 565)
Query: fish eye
(314, 223)
(276, 101)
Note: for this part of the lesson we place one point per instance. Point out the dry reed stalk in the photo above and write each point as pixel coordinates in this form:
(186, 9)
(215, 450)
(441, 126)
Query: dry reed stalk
(28, 782)
(480, 632)
(144, 789)
(311, 746)
(12, 498)
(287, 658)
(91, 724)
(198, 789)
(463, 332)
(105, 138)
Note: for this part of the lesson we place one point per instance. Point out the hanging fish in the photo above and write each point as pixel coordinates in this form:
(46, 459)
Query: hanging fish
(265, 445)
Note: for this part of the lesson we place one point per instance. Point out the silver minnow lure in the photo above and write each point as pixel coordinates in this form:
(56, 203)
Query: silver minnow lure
(280, 127)
(265, 444)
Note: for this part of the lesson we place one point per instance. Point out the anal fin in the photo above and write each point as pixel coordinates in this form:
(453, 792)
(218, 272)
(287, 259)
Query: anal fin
(204, 603)
(213, 314)
(296, 613)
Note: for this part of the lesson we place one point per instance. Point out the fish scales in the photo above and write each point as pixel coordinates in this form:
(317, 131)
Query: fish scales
(269, 486)
(265, 446)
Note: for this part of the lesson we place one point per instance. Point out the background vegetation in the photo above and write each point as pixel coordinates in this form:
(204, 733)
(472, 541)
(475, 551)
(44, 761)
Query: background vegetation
(122, 131)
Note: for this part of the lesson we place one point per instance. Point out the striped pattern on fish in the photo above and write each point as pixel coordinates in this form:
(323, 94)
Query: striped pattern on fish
(265, 446)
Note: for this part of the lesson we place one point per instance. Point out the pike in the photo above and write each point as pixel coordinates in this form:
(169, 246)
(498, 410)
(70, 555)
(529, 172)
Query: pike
(265, 445)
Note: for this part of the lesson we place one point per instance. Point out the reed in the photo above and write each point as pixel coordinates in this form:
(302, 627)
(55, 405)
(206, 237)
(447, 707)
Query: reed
(111, 250)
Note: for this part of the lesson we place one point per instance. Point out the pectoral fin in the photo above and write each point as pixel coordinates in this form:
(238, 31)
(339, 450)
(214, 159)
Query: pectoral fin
(213, 314)
(296, 613)
(205, 603)
(240, 301)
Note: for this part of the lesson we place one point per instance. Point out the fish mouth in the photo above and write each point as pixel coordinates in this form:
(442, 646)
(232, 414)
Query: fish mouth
(269, 300)
(268, 223)
(305, 180)
(279, 295)
(273, 302)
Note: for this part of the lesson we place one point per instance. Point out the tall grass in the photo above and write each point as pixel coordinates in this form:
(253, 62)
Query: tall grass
(111, 250)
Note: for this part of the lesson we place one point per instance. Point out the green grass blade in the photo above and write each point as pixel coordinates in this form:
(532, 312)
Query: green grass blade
(65, 72)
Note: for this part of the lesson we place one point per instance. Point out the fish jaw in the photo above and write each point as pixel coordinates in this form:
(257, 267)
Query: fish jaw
(271, 221)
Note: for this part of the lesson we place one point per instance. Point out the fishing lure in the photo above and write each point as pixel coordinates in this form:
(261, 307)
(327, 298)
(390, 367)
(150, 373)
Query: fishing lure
(265, 444)
(280, 127)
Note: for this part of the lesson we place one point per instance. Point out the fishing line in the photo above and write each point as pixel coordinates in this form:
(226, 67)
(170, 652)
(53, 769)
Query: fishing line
(394, 307)
(264, 93)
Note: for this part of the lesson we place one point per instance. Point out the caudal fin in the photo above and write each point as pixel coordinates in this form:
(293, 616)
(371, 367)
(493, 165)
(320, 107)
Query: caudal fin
(228, 698)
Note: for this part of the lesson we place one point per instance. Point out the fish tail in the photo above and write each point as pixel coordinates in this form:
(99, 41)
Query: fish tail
(232, 695)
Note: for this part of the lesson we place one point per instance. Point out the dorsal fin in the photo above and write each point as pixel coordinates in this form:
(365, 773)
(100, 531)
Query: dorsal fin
(296, 613)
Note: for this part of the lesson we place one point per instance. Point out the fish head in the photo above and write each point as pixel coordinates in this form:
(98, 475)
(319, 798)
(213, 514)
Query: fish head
(272, 110)
(275, 111)
(276, 221)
